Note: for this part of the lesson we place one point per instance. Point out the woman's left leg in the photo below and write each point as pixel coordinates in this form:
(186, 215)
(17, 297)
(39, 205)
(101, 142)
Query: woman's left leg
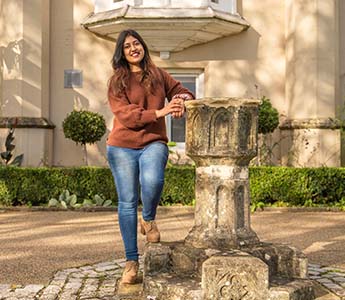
(152, 162)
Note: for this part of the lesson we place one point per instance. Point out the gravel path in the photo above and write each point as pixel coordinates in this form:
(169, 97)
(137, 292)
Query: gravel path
(39, 247)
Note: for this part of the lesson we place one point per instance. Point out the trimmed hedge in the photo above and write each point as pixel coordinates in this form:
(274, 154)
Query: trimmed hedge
(19, 186)
(38, 185)
(297, 186)
(268, 185)
(179, 186)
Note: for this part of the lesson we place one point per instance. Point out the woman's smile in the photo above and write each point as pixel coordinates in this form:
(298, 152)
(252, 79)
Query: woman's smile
(134, 52)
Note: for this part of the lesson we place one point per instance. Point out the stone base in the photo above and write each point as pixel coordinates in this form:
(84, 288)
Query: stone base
(176, 271)
(172, 286)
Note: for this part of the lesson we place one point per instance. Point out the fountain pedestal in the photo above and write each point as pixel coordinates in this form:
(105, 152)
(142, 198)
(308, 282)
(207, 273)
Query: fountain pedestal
(222, 258)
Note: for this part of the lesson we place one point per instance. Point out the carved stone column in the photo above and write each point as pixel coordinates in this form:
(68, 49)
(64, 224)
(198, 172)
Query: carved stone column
(222, 257)
(222, 139)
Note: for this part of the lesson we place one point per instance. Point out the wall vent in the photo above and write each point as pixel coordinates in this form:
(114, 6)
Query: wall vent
(73, 79)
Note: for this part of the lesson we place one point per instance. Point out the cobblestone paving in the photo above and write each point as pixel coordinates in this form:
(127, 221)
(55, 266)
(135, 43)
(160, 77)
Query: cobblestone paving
(331, 278)
(98, 281)
(101, 282)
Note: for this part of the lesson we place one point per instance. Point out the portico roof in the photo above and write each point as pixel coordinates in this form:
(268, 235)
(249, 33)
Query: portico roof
(167, 29)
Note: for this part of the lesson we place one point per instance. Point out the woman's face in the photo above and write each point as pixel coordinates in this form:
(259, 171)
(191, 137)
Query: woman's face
(134, 52)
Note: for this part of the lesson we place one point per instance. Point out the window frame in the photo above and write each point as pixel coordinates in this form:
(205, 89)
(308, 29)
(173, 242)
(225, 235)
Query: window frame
(199, 75)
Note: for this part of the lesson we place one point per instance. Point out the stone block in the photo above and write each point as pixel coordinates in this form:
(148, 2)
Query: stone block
(282, 260)
(172, 286)
(157, 258)
(236, 276)
(300, 289)
(187, 259)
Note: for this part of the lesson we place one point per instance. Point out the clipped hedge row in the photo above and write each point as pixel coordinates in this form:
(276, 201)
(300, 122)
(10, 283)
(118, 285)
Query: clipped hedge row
(297, 186)
(38, 185)
(19, 186)
(268, 185)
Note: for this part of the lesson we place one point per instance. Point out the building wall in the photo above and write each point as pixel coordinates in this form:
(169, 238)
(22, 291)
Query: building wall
(24, 74)
(292, 54)
(250, 64)
(75, 48)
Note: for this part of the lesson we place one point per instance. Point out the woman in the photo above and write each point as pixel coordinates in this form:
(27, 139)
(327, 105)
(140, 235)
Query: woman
(136, 147)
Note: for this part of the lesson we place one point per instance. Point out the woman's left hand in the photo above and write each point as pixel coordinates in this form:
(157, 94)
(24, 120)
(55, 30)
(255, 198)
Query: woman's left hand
(179, 114)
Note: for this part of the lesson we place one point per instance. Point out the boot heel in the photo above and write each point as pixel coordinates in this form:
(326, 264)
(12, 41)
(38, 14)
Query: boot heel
(150, 229)
(142, 228)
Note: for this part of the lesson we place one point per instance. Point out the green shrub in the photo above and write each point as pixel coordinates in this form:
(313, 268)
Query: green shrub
(5, 198)
(7, 155)
(84, 127)
(68, 201)
(38, 185)
(179, 185)
(278, 186)
(297, 186)
(268, 117)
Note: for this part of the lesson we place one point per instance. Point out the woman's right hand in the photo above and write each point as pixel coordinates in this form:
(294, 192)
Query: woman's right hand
(173, 107)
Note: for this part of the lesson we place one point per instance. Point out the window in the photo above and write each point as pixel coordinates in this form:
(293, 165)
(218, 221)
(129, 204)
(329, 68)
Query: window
(176, 127)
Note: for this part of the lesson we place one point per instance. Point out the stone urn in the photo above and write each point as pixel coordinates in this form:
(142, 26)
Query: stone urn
(222, 258)
(221, 138)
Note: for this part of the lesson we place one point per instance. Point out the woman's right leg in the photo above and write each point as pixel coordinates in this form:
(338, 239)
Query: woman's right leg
(125, 169)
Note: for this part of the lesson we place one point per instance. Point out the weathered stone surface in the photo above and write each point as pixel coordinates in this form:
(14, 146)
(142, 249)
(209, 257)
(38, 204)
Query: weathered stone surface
(221, 248)
(172, 286)
(186, 259)
(283, 260)
(300, 289)
(156, 258)
(51, 292)
(222, 139)
(222, 209)
(239, 276)
(222, 131)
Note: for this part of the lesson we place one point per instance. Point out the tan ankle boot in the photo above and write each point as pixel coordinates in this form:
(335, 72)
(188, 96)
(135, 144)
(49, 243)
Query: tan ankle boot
(130, 274)
(150, 229)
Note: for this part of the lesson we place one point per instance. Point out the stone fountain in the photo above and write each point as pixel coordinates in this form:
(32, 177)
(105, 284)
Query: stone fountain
(222, 258)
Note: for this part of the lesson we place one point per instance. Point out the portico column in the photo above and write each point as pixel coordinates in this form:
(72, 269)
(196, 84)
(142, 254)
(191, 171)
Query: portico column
(309, 134)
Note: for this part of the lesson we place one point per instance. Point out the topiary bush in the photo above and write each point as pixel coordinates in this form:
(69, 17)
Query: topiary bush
(268, 116)
(84, 127)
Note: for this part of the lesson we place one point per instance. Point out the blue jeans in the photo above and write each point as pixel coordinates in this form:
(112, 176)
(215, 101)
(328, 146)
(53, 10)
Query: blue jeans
(131, 169)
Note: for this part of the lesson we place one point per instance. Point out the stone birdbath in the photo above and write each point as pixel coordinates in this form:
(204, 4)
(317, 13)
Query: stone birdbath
(222, 258)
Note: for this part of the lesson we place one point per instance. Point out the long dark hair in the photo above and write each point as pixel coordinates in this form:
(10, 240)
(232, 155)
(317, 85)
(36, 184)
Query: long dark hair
(119, 80)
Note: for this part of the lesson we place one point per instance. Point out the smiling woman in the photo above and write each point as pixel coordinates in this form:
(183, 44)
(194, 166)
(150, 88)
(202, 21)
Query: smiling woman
(136, 147)
(134, 53)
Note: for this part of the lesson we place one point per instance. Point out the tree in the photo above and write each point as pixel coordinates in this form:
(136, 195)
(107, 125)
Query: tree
(84, 127)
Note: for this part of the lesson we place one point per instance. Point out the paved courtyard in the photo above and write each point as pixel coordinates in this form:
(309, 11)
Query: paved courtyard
(79, 255)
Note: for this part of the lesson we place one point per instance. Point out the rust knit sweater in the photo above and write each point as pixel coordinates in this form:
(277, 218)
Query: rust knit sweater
(135, 124)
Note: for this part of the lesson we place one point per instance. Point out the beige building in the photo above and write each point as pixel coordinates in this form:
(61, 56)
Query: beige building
(55, 55)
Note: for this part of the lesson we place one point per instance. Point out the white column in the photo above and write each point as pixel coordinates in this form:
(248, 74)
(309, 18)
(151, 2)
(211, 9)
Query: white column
(311, 83)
